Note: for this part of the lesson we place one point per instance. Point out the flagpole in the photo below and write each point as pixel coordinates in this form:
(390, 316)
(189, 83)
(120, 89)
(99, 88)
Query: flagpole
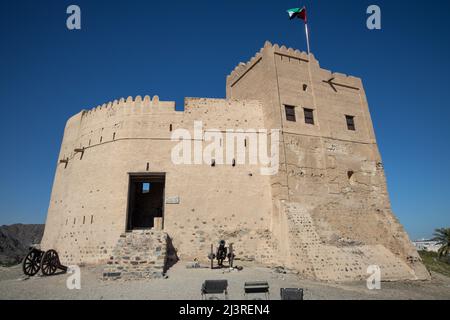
(307, 37)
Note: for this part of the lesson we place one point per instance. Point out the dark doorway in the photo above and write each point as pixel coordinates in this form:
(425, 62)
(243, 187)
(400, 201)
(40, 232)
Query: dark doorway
(145, 200)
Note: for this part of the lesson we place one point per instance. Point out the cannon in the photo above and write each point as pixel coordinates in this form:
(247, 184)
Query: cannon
(221, 254)
(46, 261)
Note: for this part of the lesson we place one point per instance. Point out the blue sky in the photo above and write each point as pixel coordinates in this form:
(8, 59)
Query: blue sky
(186, 48)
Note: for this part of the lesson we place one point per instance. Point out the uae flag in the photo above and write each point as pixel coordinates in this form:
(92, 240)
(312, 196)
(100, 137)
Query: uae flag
(301, 14)
(298, 13)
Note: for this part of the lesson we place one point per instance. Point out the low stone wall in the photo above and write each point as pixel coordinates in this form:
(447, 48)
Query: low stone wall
(138, 255)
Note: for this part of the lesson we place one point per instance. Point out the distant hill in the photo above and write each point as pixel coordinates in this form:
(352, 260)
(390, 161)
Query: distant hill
(15, 241)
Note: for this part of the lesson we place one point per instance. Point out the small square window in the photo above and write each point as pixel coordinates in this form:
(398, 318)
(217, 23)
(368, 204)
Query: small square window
(290, 113)
(146, 187)
(350, 123)
(309, 116)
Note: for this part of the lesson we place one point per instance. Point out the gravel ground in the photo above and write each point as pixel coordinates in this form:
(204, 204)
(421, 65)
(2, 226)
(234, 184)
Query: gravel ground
(184, 284)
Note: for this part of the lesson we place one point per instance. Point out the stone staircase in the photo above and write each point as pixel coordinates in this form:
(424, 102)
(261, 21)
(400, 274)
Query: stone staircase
(140, 254)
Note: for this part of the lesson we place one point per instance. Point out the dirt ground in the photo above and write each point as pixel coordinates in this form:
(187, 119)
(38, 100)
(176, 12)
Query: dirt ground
(184, 284)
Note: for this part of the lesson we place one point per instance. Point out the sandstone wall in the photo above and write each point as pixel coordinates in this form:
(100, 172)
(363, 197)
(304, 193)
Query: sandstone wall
(88, 205)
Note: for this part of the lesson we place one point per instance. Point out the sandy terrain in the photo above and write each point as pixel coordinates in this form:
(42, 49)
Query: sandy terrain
(183, 283)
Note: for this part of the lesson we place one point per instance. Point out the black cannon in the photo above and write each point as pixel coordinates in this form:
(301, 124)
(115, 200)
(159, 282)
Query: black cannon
(47, 261)
(221, 254)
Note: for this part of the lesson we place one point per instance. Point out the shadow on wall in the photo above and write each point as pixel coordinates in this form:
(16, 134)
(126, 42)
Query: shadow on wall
(172, 257)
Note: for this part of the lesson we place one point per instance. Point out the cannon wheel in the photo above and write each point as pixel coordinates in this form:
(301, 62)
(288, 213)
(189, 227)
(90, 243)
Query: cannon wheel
(32, 263)
(50, 262)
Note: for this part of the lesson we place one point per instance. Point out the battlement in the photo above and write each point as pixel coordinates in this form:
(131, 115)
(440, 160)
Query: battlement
(274, 49)
(146, 118)
(243, 68)
(130, 101)
(340, 78)
(138, 106)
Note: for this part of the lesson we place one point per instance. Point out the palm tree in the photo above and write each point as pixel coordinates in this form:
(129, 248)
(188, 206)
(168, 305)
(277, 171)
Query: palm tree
(442, 236)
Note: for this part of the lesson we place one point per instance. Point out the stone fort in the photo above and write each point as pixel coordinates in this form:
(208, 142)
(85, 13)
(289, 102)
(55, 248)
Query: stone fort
(325, 214)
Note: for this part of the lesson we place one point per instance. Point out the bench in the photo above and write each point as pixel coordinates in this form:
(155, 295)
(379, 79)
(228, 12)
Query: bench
(215, 287)
(291, 294)
(257, 287)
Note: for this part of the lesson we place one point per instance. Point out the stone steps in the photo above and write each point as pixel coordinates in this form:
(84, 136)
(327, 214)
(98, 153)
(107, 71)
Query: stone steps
(140, 254)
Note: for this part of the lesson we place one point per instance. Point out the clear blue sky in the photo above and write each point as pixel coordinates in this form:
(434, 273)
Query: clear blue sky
(186, 48)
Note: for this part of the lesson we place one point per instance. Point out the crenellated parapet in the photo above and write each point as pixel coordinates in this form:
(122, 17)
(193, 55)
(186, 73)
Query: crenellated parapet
(128, 106)
(286, 52)
(242, 68)
(289, 52)
(138, 101)
(340, 79)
